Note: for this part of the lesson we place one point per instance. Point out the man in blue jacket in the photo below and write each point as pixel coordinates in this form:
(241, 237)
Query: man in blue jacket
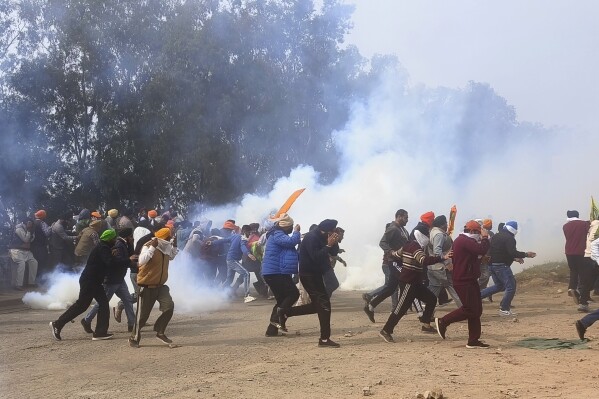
(314, 262)
(280, 262)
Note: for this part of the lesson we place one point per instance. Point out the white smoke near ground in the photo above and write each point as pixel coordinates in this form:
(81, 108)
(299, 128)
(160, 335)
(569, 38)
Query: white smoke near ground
(190, 293)
(427, 149)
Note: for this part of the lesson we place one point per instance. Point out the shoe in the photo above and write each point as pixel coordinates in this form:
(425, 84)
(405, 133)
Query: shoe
(369, 313)
(441, 327)
(164, 339)
(55, 331)
(477, 345)
(101, 337)
(87, 326)
(387, 337)
(273, 335)
(248, 299)
(129, 328)
(582, 308)
(117, 312)
(327, 344)
(428, 329)
(278, 326)
(282, 320)
(506, 313)
(133, 343)
(580, 329)
(575, 295)
(367, 298)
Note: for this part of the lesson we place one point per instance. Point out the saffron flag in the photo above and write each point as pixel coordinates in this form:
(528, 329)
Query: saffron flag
(594, 210)
(452, 213)
(287, 205)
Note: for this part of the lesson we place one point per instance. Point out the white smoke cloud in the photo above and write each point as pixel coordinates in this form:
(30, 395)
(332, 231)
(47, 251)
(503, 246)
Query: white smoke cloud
(408, 148)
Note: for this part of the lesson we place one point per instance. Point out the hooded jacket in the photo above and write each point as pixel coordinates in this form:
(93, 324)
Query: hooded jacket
(395, 238)
(503, 248)
(280, 255)
(314, 254)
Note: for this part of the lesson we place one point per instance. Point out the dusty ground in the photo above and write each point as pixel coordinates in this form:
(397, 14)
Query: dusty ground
(225, 355)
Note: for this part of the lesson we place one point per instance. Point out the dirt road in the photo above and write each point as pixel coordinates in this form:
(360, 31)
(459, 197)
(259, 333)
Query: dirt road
(225, 355)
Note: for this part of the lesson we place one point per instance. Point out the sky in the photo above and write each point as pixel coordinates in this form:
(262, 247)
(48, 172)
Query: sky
(541, 55)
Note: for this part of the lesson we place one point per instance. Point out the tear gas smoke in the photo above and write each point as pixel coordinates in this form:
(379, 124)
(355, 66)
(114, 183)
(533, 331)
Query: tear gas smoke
(426, 149)
(190, 294)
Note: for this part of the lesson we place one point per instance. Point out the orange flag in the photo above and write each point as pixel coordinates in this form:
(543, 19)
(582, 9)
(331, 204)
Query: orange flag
(452, 215)
(287, 205)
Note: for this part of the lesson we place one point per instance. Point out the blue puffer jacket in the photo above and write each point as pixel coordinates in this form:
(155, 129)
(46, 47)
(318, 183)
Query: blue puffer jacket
(280, 255)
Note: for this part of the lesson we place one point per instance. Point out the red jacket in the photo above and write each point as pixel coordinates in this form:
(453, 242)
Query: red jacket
(466, 261)
(575, 232)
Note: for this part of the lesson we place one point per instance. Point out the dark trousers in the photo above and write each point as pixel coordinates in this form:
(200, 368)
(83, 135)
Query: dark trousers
(145, 302)
(88, 291)
(409, 292)
(319, 303)
(575, 264)
(587, 275)
(471, 310)
(391, 287)
(286, 294)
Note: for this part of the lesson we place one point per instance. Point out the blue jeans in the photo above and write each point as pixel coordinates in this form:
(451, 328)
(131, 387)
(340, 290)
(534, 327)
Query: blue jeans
(589, 319)
(377, 291)
(233, 267)
(122, 291)
(504, 280)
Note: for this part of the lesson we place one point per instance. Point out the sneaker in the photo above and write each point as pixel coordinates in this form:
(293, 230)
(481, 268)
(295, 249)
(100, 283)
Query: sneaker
(582, 308)
(575, 295)
(369, 313)
(477, 345)
(55, 331)
(117, 312)
(87, 326)
(327, 344)
(367, 298)
(428, 329)
(273, 334)
(133, 343)
(441, 327)
(580, 329)
(282, 319)
(101, 337)
(164, 339)
(506, 313)
(387, 337)
(248, 299)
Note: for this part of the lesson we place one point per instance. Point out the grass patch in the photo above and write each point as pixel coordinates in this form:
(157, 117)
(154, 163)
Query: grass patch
(551, 271)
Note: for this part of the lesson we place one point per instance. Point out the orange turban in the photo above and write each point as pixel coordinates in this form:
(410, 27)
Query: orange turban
(163, 234)
(41, 214)
(96, 214)
(428, 218)
(488, 224)
(152, 214)
(472, 225)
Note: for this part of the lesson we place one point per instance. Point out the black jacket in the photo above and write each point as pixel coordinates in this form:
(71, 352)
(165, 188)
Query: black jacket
(314, 254)
(120, 262)
(98, 264)
(503, 248)
(395, 237)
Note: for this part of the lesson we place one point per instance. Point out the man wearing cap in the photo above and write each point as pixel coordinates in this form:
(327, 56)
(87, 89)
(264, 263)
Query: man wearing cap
(87, 241)
(39, 246)
(467, 249)
(503, 253)
(152, 275)
(575, 231)
(279, 263)
(114, 282)
(394, 238)
(314, 262)
(90, 288)
(21, 255)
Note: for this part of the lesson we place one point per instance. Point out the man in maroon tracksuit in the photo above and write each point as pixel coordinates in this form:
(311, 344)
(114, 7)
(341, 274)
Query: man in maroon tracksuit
(575, 231)
(474, 241)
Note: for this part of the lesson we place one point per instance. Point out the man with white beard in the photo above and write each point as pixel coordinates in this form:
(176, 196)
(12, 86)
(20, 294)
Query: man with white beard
(151, 277)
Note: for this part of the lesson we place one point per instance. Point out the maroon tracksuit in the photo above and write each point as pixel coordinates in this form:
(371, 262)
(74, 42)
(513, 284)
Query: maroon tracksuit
(466, 271)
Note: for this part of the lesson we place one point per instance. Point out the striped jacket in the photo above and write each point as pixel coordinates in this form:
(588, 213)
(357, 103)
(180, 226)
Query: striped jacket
(414, 259)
